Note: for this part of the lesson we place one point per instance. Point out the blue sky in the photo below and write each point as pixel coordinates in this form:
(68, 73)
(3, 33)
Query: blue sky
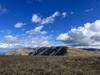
(32, 23)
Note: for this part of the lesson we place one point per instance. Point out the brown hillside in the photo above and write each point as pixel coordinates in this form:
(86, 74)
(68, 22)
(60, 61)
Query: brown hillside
(79, 52)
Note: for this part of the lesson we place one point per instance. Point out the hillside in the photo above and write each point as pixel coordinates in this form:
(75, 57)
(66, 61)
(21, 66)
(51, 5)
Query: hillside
(50, 61)
(80, 52)
(30, 65)
(53, 51)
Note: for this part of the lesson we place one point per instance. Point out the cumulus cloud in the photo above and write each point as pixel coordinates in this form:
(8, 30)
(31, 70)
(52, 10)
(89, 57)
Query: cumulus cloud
(28, 41)
(8, 45)
(50, 19)
(63, 37)
(19, 25)
(37, 30)
(36, 18)
(13, 45)
(86, 35)
(39, 42)
(3, 45)
(11, 39)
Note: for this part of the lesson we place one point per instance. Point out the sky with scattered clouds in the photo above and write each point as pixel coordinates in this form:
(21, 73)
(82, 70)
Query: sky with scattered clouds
(36, 23)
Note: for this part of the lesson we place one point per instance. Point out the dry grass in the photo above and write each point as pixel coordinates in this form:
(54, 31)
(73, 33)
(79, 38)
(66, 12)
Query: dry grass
(30, 65)
(82, 53)
(3, 58)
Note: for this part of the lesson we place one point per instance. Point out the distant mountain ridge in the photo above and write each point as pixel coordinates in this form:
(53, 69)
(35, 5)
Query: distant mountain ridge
(91, 49)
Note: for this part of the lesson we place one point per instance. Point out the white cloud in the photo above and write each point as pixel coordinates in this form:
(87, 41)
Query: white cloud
(2, 10)
(40, 41)
(47, 20)
(3, 45)
(57, 13)
(11, 45)
(37, 30)
(86, 35)
(63, 37)
(19, 25)
(11, 39)
(64, 14)
(45, 43)
(8, 45)
(32, 41)
(36, 18)
(13, 42)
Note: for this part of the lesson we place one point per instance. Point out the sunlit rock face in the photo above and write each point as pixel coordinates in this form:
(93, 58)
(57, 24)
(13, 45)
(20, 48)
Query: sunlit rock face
(21, 51)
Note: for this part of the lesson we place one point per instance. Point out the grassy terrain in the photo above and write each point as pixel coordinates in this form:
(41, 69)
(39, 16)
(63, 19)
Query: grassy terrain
(82, 53)
(30, 65)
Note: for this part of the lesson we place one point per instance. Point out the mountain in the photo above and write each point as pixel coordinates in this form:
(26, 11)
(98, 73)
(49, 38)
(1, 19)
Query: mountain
(81, 52)
(53, 51)
(21, 51)
(45, 51)
(91, 49)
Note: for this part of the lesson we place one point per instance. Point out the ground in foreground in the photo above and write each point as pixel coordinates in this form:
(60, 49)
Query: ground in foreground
(30, 65)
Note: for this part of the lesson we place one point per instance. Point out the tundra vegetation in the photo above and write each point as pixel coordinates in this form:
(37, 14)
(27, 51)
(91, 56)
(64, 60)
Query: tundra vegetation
(48, 65)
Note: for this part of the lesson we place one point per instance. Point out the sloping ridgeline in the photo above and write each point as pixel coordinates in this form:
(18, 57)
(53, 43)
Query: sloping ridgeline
(41, 51)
